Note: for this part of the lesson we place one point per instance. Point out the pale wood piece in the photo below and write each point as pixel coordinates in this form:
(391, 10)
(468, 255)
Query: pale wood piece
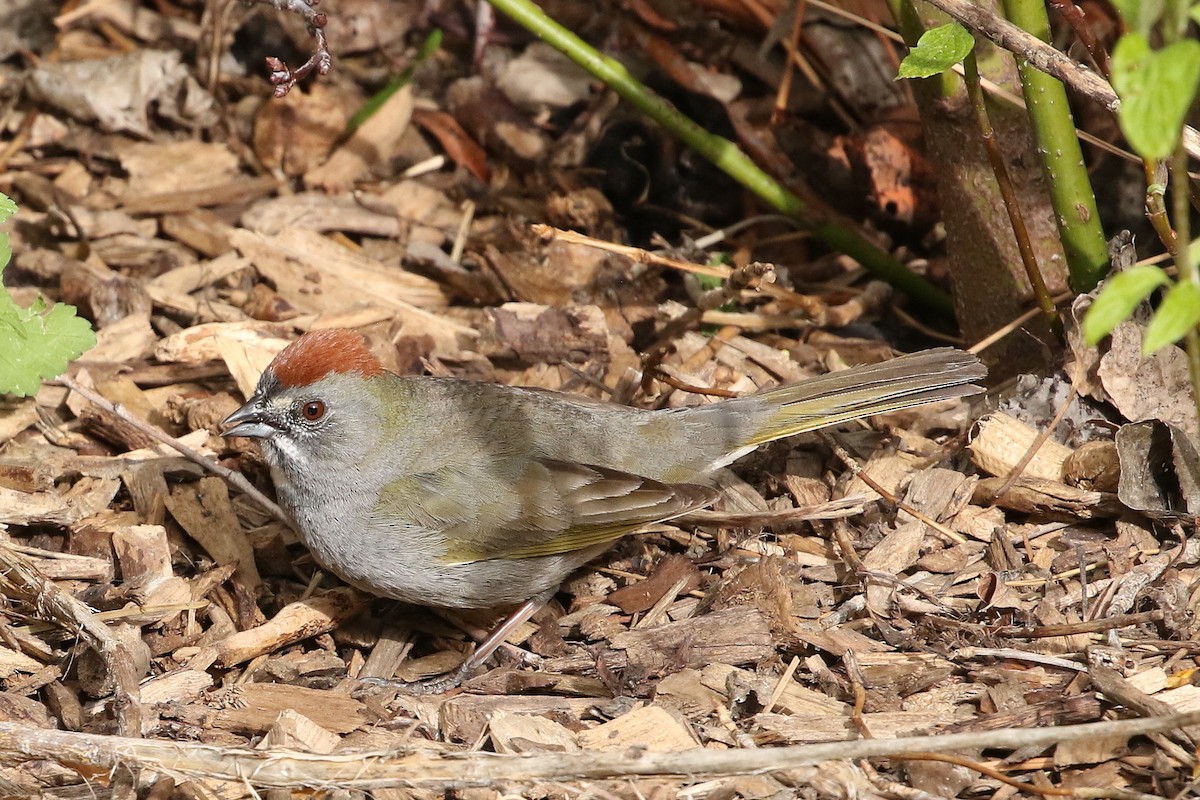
(1001, 442)
(67, 566)
(527, 733)
(200, 230)
(172, 290)
(86, 497)
(252, 708)
(129, 339)
(738, 635)
(246, 361)
(14, 661)
(145, 558)
(465, 717)
(321, 212)
(1049, 499)
(178, 687)
(294, 731)
(371, 144)
(200, 344)
(314, 273)
(811, 729)
(294, 622)
(653, 728)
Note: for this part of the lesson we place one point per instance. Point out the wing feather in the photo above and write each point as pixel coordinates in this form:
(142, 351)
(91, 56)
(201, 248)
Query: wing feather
(551, 508)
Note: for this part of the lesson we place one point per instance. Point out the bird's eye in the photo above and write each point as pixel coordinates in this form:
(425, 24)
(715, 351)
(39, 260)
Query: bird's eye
(313, 410)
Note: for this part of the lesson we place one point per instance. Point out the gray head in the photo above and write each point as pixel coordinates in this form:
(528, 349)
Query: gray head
(309, 409)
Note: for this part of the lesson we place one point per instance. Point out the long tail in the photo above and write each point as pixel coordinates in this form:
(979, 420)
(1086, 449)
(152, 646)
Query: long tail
(911, 380)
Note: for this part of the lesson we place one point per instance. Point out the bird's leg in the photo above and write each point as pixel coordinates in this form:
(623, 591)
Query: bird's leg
(437, 684)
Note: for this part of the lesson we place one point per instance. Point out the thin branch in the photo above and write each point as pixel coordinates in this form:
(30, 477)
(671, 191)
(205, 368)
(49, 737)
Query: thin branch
(1008, 194)
(283, 77)
(236, 479)
(359, 771)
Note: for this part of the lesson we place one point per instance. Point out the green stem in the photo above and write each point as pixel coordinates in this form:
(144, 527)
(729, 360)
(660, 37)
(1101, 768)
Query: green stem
(1174, 28)
(1062, 157)
(725, 155)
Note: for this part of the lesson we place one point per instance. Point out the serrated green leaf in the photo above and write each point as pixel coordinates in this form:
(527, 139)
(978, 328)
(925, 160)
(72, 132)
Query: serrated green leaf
(937, 50)
(35, 343)
(1118, 298)
(34, 347)
(1178, 314)
(1140, 15)
(1156, 88)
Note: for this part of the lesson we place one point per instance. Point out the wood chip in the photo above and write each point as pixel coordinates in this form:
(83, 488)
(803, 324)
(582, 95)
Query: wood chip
(527, 733)
(651, 728)
(294, 622)
(203, 510)
(733, 636)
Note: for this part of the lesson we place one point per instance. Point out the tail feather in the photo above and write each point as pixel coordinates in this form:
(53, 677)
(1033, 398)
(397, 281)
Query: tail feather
(913, 380)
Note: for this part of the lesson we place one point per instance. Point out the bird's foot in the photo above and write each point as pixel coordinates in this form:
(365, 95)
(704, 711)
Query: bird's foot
(434, 684)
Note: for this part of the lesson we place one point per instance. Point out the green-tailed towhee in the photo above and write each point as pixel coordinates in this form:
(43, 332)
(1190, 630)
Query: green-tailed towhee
(453, 493)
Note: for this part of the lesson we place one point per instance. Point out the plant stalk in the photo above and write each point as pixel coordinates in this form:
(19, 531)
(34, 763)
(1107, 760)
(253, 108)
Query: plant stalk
(1062, 157)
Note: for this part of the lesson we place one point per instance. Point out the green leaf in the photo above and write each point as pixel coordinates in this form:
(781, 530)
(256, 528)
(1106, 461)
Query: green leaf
(1117, 300)
(937, 50)
(1178, 314)
(1140, 15)
(35, 343)
(1156, 88)
(7, 207)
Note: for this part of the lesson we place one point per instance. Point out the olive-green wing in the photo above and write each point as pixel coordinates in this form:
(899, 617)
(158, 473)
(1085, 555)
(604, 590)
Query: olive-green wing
(550, 508)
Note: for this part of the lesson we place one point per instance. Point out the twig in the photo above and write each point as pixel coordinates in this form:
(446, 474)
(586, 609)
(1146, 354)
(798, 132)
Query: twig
(660, 374)
(812, 307)
(1073, 16)
(359, 771)
(1016, 324)
(1013, 654)
(154, 432)
(852, 463)
(784, 680)
(1087, 626)
(282, 77)
(1008, 193)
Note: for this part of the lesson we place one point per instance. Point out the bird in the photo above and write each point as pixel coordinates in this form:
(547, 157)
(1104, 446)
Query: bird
(453, 493)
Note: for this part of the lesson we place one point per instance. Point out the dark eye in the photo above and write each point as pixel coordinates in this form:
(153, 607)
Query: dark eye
(313, 410)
